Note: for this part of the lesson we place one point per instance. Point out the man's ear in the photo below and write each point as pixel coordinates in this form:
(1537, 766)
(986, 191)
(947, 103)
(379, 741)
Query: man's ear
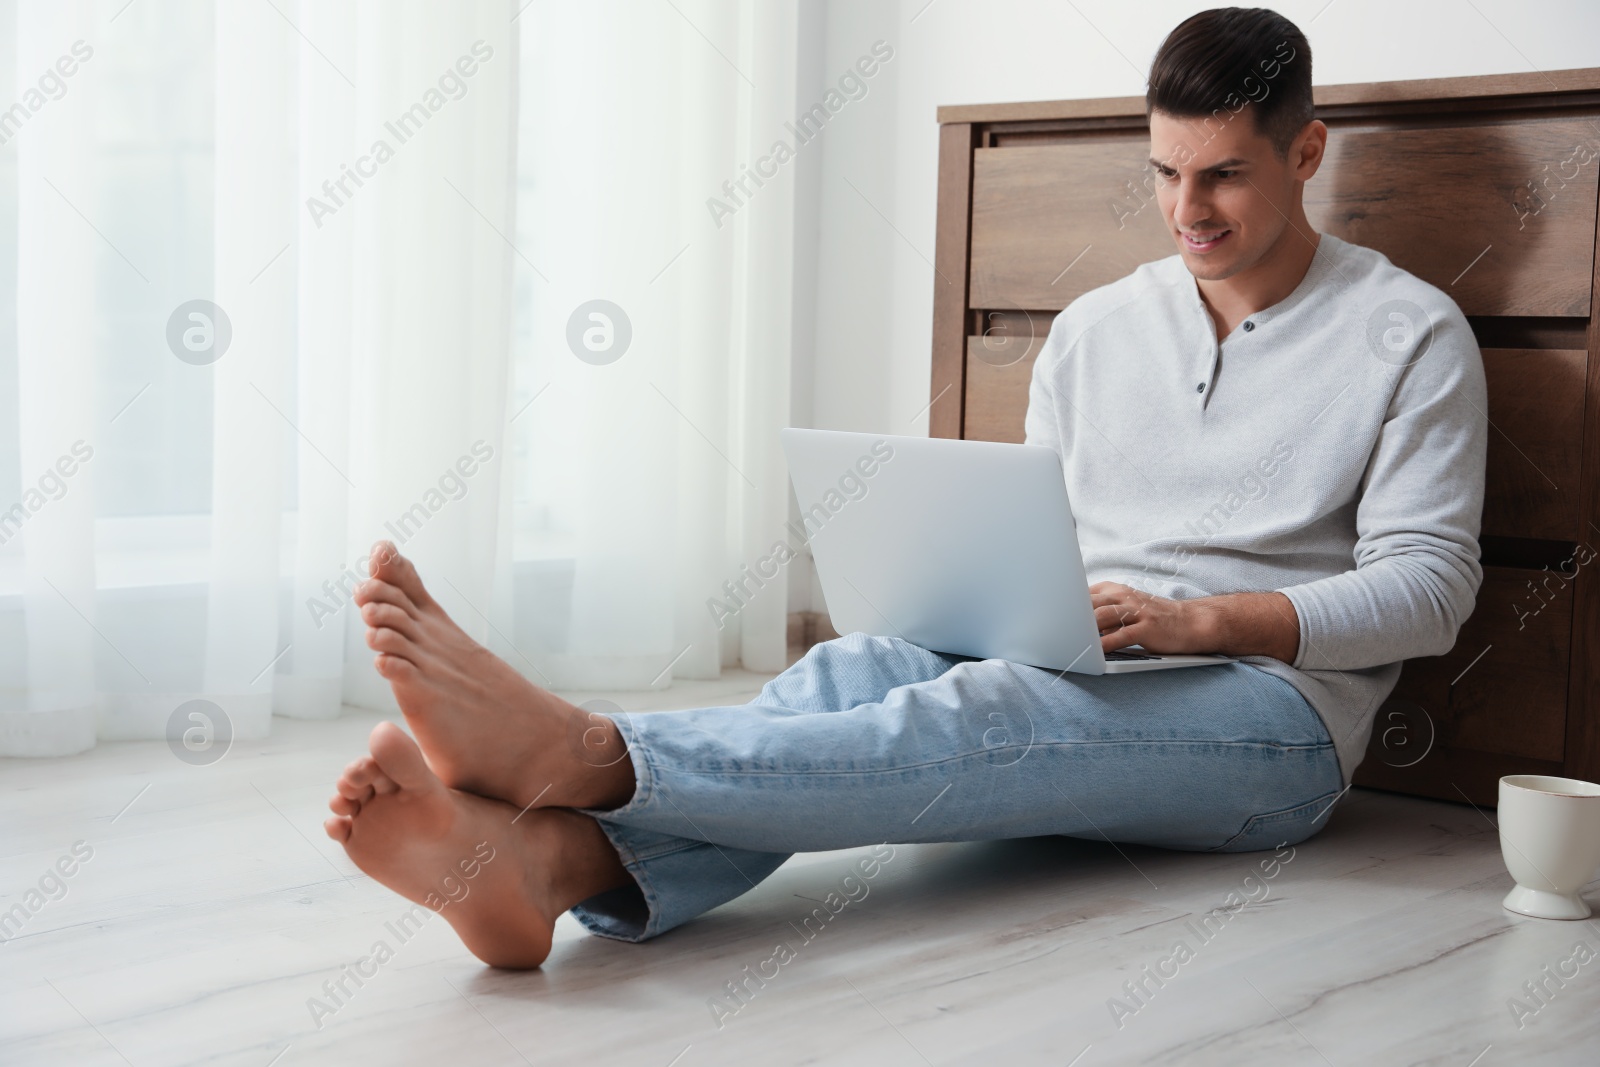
(1309, 148)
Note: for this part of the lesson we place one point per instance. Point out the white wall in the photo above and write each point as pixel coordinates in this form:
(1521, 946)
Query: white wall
(869, 349)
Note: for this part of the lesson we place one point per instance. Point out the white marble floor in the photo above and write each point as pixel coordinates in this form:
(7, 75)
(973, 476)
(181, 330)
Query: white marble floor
(205, 909)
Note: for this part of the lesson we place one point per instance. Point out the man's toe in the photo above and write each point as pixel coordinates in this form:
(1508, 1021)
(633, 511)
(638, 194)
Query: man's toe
(388, 565)
(400, 759)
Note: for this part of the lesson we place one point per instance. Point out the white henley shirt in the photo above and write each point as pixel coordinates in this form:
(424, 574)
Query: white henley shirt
(1331, 448)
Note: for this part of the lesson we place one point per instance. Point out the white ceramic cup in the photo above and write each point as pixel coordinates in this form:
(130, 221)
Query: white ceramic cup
(1550, 840)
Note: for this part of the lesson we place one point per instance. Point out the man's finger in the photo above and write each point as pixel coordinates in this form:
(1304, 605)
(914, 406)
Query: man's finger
(1108, 620)
(1120, 638)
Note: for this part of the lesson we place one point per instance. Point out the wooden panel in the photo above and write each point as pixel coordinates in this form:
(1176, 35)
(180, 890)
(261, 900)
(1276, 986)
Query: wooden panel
(950, 282)
(999, 369)
(1503, 687)
(1045, 110)
(1496, 244)
(1326, 96)
(1535, 442)
(1460, 775)
(1508, 672)
(1583, 690)
(1495, 332)
(1495, 704)
(1050, 222)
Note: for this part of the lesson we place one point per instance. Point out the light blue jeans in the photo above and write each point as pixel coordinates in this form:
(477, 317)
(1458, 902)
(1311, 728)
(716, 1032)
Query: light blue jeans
(869, 740)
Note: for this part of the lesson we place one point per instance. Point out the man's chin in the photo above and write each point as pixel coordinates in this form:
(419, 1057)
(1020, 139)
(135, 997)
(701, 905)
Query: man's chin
(1208, 268)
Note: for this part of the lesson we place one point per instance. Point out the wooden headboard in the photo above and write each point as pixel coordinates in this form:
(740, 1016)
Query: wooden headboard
(1486, 187)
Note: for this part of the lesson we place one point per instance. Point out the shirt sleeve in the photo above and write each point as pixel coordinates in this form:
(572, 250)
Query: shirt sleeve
(1417, 572)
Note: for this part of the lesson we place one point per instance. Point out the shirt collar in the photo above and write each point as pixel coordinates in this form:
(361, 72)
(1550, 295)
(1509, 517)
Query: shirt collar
(1329, 248)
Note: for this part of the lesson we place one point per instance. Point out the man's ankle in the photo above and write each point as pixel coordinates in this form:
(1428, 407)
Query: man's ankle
(601, 771)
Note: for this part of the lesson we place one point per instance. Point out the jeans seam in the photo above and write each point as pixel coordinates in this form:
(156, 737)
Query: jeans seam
(1286, 749)
(651, 854)
(633, 861)
(1291, 813)
(644, 770)
(635, 865)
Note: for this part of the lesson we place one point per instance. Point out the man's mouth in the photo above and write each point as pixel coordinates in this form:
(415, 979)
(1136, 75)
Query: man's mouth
(1204, 242)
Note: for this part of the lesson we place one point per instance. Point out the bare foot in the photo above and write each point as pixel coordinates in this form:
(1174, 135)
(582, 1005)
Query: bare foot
(484, 727)
(498, 877)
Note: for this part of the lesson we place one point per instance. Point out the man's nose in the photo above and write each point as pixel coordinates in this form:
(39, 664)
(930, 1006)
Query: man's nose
(1193, 205)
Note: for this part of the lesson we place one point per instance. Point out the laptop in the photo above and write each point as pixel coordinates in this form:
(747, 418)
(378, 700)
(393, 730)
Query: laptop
(962, 547)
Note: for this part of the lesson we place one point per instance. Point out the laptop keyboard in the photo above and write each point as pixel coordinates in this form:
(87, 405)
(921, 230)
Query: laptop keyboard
(1123, 653)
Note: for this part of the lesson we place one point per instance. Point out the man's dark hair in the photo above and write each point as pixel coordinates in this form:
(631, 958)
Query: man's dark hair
(1221, 61)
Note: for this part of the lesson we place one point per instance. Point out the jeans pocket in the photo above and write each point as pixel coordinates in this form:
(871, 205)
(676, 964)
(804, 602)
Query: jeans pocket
(1288, 826)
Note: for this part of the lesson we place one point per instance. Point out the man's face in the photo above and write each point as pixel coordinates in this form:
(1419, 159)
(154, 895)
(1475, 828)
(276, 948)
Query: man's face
(1226, 201)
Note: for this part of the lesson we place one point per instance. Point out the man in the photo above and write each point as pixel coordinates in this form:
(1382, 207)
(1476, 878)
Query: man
(1275, 442)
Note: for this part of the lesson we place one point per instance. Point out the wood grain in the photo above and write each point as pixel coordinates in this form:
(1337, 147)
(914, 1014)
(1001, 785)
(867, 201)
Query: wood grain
(1407, 193)
(1535, 442)
(1459, 775)
(951, 257)
(1502, 689)
(1506, 679)
(1583, 689)
(999, 369)
(1495, 704)
(1051, 222)
(1037, 209)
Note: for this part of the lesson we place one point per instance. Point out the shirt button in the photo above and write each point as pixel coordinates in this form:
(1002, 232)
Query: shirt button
(1200, 388)
(1248, 325)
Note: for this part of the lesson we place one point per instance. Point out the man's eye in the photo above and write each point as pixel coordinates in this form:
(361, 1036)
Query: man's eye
(1223, 175)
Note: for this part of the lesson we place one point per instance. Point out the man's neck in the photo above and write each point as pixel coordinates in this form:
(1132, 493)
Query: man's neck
(1232, 300)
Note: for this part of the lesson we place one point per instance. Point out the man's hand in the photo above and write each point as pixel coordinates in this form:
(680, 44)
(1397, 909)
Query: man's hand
(1236, 624)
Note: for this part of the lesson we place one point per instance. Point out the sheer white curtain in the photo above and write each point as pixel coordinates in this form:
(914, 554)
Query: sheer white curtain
(651, 480)
(397, 209)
